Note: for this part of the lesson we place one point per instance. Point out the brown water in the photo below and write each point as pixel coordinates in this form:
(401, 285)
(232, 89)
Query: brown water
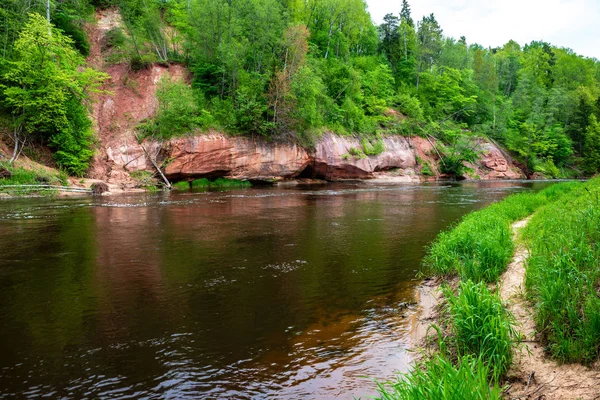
(257, 293)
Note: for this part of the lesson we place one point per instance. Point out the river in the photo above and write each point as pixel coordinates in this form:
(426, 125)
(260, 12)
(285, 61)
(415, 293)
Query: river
(257, 293)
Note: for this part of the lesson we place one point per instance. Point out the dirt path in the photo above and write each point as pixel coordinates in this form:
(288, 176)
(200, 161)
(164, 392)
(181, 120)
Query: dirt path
(533, 375)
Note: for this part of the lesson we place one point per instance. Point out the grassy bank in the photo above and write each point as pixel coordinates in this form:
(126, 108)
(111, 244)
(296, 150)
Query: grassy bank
(563, 274)
(480, 246)
(205, 184)
(477, 336)
(14, 180)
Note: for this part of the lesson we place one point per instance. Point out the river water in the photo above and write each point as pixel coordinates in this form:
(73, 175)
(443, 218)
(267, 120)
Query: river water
(257, 293)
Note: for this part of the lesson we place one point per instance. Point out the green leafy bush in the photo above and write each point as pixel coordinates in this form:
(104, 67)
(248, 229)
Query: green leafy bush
(409, 106)
(179, 111)
(73, 143)
(372, 147)
(43, 89)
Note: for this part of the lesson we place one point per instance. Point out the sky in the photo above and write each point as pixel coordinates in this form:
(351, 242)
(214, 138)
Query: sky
(565, 23)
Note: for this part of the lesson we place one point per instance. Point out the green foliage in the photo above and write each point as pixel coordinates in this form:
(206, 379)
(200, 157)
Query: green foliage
(70, 23)
(591, 147)
(358, 153)
(73, 144)
(459, 150)
(372, 147)
(562, 275)
(409, 106)
(426, 169)
(481, 326)
(179, 111)
(43, 89)
(22, 176)
(438, 378)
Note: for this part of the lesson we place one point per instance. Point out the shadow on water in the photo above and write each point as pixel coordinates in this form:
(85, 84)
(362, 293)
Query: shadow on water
(252, 293)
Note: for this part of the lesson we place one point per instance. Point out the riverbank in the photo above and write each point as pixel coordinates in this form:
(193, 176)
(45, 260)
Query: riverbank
(468, 253)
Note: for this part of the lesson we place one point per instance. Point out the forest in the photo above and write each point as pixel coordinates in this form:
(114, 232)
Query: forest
(293, 69)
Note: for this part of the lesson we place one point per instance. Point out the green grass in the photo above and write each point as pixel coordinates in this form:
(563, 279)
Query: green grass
(438, 378)
(480, 246)
(481, 336)
(22, 176)
(563, 274)
(181, 185)
(481, 326)
(219, 183)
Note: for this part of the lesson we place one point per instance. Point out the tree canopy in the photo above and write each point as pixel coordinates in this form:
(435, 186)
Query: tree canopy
(293, 68)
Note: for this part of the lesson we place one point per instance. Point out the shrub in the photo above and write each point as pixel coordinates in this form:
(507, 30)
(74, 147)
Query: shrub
(409, 106)
(358, 153)
(179, 111)
(372, 148)
(73, 143)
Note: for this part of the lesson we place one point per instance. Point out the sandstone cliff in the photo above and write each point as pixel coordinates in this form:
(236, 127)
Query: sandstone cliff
(132, 98)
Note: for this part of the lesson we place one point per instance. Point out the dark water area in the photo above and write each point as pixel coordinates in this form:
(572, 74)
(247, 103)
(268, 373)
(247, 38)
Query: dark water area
(258, 293)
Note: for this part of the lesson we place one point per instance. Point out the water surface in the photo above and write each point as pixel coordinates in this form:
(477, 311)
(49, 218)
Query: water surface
(258, 293)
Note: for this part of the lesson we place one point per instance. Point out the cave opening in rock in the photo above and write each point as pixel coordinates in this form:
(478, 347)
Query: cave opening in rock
(310, 173)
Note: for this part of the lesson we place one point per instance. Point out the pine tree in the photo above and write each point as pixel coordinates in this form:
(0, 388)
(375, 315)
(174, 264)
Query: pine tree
(405, 14)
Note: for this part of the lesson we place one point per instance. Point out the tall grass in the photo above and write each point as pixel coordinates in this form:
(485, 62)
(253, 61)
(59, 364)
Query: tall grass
(481, 332)
(481, 326)
(438, 378)
(563, 274)
(480, 246)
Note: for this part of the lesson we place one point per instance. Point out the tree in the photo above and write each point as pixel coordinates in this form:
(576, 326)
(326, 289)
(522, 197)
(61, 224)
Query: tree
(429, 36)
(405, 14)
(591, 147)
(389, 40)
(508, 64)
(406, 69)
(295, 43)
(43, 89)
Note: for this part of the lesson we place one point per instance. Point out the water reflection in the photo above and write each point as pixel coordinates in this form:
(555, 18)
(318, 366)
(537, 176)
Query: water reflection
(257, 293)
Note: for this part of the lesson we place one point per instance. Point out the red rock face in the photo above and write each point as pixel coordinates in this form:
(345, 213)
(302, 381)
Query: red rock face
(494, 165)
(215, 155)
(332, 159)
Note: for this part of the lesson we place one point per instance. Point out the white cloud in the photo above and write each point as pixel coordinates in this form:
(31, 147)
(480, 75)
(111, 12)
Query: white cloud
(566, 23)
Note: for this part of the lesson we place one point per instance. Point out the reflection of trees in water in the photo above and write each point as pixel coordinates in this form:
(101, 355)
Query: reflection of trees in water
(203, 285)
(46, 305)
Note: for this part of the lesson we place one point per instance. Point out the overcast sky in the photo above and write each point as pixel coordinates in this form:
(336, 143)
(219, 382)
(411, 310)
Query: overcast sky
(564, 23)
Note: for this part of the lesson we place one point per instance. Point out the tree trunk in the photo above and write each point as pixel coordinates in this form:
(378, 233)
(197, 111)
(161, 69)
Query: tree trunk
(329, 37)
(48, 17)
(16, 136)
